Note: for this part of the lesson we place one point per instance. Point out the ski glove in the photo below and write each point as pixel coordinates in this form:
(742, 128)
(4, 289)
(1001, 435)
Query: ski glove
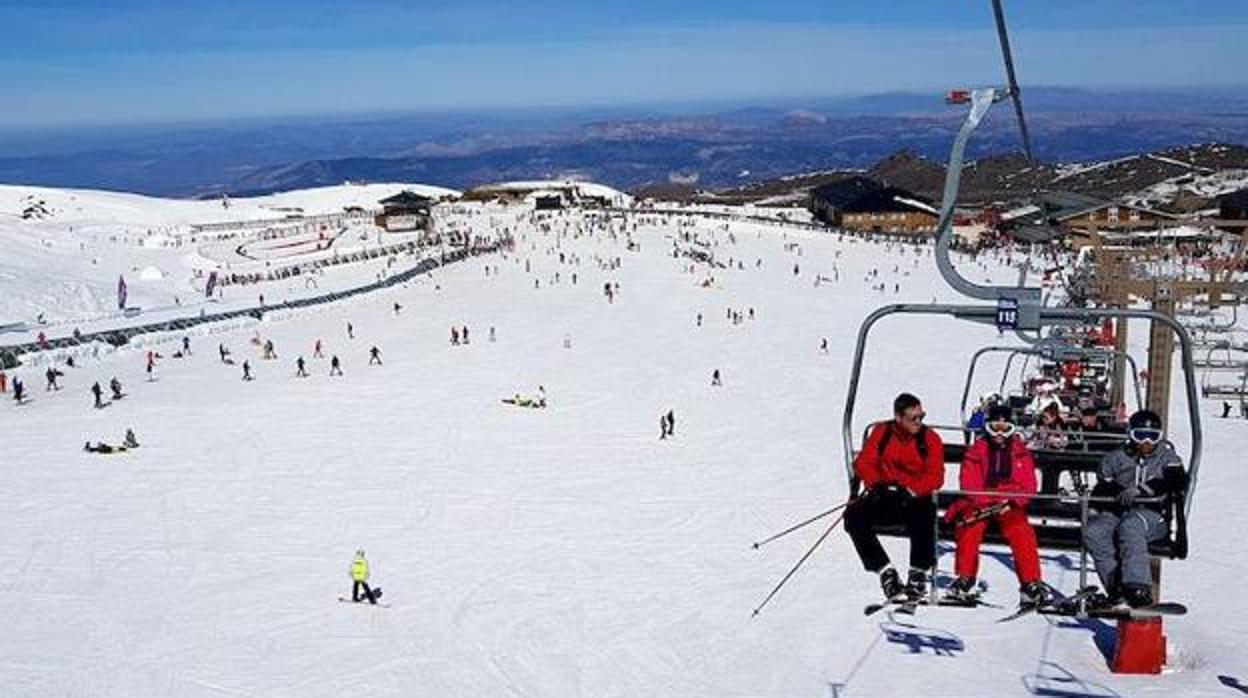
(1128, 495)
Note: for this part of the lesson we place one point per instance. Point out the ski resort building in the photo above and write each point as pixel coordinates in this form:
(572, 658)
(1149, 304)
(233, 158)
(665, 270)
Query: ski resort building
(1062, 213)
(547, 195)
(405, 211)
(865, 205)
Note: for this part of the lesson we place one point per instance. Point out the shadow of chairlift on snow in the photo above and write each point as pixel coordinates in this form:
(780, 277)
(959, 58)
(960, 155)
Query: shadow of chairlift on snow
(1054, 681)
(917, 639)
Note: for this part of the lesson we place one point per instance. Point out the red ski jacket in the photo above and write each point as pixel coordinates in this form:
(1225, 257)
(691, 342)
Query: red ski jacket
(1010, 469)
(900, 462)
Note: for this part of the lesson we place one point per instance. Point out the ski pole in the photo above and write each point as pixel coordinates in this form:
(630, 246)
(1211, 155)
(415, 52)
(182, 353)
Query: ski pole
(794, 527)
(800, 562)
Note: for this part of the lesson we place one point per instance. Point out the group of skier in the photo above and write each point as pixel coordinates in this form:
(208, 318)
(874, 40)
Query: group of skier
(902, 464)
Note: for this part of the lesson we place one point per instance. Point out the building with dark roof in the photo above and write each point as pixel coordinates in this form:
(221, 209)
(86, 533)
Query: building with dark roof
(864, 204)
(1056, 214)
(404, 211)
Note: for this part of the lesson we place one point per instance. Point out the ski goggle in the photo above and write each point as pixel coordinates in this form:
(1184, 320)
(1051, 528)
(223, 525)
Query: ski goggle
(1145, 435)
(1002, 429)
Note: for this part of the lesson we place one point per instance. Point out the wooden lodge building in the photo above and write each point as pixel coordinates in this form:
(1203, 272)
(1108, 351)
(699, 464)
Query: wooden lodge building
(864, 205)
(1061, 214)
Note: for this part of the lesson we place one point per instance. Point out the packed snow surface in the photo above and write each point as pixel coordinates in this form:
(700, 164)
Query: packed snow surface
(557, 552)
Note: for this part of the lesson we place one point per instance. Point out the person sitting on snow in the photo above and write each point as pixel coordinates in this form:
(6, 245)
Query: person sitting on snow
(999, 462)
(1118, 532)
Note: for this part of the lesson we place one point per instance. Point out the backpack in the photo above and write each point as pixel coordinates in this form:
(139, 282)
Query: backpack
(920, 442)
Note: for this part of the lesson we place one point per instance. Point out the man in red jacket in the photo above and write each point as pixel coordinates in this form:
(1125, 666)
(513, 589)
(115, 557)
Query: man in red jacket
(900, 465)
(1000, 462)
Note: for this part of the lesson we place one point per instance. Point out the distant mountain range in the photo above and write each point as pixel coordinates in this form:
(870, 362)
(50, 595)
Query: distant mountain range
(1179, 180)
(629, 148)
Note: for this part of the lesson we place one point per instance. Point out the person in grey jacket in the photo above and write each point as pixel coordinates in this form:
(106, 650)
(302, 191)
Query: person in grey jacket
(1140, 477)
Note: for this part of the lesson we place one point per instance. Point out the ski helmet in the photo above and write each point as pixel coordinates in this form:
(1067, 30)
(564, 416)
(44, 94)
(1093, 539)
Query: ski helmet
(1000, 413)
(1144, 419)
(1144, 427)
(999, 421)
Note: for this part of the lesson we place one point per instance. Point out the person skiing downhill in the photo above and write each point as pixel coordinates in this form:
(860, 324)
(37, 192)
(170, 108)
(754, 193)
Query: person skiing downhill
(999, 462)
(900, 465)
(115, 386)
(335, 366)
(98, 393)
(1118, 533)
(247, 370)
(374, 356)
(300, 370)
(359, 578)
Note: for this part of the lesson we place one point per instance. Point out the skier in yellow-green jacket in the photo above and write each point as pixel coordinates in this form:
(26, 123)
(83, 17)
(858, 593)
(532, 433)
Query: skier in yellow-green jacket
(359, 578)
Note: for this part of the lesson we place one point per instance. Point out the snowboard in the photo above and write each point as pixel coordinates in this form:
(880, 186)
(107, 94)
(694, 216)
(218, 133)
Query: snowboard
(1157, 610)
(364, 600)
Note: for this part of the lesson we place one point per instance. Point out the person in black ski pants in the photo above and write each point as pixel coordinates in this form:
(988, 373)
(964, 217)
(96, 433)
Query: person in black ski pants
(900, 465)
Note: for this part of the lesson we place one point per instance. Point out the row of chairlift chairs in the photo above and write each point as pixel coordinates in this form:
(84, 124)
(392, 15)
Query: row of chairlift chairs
(1224, 353)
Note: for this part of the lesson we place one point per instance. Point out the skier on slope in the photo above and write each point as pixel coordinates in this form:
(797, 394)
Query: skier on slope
(374, 356)
(247, 370)
(1117, 534)
(300, 369)
(999, 462)
(115, 386)
(97, 392)
(359, 578)
(900, 465)
(335, 366)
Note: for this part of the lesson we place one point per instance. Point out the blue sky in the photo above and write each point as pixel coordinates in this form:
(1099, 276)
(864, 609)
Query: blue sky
(121, 61)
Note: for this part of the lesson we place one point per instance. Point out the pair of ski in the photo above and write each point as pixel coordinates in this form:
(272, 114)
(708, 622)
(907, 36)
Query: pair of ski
(908, 606)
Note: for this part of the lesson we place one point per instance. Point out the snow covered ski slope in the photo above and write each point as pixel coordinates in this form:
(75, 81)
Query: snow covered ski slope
(565, 551)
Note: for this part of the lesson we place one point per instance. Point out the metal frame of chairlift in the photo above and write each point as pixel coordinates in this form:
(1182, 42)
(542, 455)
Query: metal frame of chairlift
(1075, 353)
(1216, 328)
(1223, 391)
(1209, 363)
(1019, 308)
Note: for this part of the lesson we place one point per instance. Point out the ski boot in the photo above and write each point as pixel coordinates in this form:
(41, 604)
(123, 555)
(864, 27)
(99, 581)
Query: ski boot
(1032, 595)
(890, 584)
(916, 584)
(963, 590)
(1137, 596)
